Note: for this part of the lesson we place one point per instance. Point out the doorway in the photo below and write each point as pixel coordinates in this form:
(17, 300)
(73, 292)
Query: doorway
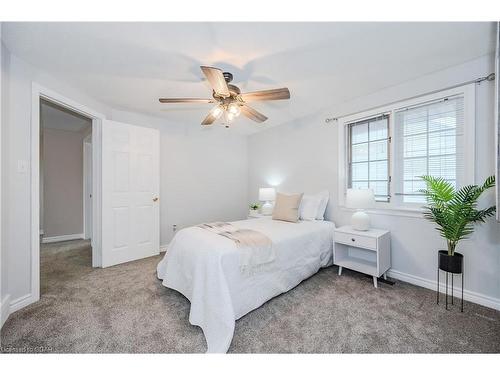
(65, 137)
(65, 193)
(39, 94)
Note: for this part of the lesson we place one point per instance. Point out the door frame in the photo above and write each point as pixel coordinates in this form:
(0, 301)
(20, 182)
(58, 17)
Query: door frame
(87, 143)
(39, 92)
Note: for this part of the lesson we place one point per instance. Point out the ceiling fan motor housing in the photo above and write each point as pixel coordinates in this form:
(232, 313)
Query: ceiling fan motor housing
(234, 90)
(227, 76)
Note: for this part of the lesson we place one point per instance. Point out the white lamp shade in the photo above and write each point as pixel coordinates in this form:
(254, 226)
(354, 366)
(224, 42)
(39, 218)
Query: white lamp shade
(267, 194)
(360, 198)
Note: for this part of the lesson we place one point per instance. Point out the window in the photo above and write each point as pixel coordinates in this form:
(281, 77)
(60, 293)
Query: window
(388, 148)
(428, 141)
(369, 155)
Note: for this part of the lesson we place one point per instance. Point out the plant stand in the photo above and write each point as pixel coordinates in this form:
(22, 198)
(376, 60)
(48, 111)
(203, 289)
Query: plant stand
(446, 293)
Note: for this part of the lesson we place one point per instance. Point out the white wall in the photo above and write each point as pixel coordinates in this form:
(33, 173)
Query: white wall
(203, 173)
(302, 156)
(62, 164)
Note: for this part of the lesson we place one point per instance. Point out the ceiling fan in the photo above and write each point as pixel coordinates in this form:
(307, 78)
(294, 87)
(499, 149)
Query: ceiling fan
(229, 100)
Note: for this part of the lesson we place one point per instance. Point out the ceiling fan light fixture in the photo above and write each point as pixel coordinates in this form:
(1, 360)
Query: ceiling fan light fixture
(234, 109)
(228, 118)
(217, 111)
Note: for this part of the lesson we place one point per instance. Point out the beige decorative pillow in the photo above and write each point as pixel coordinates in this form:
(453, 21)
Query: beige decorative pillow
(286, 207)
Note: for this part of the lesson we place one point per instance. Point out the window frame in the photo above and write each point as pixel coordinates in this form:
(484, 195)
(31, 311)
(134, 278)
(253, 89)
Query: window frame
(349, 145)
(395, 206)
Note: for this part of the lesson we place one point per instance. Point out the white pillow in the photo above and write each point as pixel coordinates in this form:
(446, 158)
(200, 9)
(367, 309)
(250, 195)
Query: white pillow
(309, 207)
(287, 207)
(325, 196)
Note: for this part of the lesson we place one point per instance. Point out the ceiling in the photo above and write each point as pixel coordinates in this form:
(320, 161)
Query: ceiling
(129, 66)
(53, 116)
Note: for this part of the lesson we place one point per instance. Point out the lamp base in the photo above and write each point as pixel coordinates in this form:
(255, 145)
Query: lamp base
(360, 221)
(267, 208)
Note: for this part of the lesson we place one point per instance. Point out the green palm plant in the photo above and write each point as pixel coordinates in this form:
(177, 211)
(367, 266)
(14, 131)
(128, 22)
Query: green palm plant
(455, 211)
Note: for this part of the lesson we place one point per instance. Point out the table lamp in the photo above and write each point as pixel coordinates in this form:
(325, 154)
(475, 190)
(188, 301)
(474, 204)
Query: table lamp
(267, 195)
(360, 199)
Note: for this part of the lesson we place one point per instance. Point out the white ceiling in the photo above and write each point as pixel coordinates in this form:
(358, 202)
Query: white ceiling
(53, 116)
(130, 65)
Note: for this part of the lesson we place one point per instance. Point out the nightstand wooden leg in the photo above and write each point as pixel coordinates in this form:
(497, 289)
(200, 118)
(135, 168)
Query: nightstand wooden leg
(340, 270)
(375, 282)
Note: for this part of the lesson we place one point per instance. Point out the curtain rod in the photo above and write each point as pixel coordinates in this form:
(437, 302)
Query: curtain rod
(490, 77)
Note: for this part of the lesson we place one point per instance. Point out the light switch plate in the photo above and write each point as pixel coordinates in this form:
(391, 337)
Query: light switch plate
(22, 166)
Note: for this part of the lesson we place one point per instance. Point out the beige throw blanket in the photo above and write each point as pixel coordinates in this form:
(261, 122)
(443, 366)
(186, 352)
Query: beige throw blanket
(256, 248)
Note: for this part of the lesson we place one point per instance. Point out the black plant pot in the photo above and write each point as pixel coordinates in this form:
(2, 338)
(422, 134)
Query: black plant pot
(451, 263)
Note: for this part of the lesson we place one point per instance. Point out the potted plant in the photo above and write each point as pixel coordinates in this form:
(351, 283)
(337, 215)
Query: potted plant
(254, 208)
(455, 213)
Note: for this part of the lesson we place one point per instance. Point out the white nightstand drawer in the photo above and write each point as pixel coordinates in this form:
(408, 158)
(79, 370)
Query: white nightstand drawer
(356, 240)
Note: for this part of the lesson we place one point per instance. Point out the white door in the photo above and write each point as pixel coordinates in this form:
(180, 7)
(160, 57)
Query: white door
(130, 192)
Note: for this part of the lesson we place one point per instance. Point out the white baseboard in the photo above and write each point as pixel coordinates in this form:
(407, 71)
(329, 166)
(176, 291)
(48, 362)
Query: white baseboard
(66, 237)
(21, 302)
(8, 307)
(470, 296)
(163, 248)
(4, 309)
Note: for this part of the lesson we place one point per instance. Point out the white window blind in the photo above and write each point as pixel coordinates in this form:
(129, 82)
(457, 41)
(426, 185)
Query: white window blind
(369, 155)
(428, 141)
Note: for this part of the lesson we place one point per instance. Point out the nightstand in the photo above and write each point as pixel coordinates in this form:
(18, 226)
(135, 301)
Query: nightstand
(367, 252)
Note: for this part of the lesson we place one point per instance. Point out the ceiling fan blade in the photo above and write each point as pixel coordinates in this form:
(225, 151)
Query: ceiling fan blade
(217, 80)
(252, 114)
(185, 100)
(274, 94)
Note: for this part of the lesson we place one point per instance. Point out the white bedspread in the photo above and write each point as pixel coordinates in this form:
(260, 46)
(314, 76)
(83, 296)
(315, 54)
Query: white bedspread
(205, 267)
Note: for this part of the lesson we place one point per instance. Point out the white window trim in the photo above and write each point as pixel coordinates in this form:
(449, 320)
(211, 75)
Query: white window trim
(391, 207)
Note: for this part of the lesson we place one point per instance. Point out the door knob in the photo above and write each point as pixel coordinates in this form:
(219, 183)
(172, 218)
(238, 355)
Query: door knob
(155, 199)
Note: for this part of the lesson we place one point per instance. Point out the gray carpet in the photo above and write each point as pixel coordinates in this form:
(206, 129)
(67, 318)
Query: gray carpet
(126, 309)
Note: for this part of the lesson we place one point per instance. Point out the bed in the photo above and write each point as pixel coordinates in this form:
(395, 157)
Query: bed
(204, 267)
